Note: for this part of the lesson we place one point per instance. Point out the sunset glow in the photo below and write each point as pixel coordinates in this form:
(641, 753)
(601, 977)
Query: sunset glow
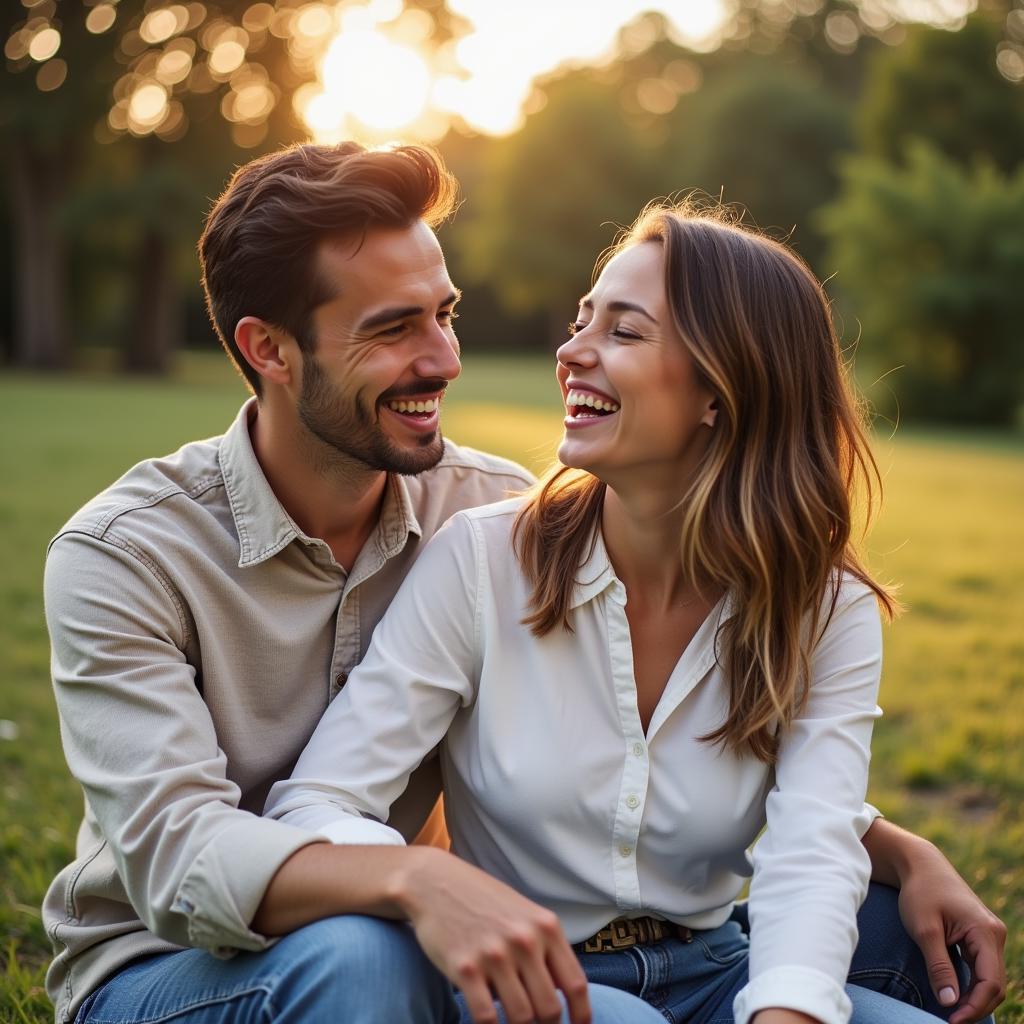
(376, 78)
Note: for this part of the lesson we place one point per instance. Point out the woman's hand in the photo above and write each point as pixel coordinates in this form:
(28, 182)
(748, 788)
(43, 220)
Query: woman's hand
(487, 938)
(938, 908)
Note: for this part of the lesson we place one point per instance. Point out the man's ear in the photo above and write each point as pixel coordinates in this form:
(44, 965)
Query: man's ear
(272, 353)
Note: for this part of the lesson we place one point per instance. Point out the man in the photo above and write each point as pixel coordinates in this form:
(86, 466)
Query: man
(204, 609)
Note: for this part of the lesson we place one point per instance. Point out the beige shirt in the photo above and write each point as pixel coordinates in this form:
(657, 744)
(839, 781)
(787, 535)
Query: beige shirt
(198, 635)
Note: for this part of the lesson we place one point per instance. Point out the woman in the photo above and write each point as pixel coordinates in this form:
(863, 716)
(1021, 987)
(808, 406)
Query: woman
(660, 650)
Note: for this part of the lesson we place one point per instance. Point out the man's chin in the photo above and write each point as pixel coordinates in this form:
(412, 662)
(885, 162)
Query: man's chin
(412, 461)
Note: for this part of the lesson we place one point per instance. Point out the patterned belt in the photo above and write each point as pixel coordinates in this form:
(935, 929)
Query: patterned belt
(625, 932)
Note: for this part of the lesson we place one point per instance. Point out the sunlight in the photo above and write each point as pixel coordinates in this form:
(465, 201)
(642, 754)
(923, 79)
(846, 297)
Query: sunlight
(375, 78)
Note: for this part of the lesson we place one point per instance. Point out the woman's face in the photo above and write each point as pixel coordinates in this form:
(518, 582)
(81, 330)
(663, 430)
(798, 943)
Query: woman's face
(633, 401)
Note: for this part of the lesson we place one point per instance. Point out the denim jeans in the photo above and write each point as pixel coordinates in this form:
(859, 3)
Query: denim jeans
(352, 969)
(363, 970)
(696, 982)
(342, 970)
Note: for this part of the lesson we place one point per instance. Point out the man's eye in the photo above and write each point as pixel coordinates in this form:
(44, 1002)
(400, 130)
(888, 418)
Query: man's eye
(393, 332)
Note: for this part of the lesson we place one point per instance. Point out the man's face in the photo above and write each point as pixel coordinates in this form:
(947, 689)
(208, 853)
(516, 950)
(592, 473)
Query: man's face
(385, 350)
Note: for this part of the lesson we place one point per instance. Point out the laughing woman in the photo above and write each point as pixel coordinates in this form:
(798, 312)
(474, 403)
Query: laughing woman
(666, 647)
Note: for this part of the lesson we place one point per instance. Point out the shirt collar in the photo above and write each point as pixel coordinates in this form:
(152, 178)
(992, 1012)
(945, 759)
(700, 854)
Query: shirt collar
(263, 525)
(596, 574)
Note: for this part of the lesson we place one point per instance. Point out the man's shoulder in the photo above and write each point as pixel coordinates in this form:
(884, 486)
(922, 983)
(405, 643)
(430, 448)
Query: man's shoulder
(470, 461)
(150, 487)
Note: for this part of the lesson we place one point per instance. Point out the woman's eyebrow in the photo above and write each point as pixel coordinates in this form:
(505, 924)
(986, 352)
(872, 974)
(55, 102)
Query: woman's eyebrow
(618, 307)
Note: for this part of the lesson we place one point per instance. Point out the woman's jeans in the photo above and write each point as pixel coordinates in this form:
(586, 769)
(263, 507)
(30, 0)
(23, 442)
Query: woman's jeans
(365, 970)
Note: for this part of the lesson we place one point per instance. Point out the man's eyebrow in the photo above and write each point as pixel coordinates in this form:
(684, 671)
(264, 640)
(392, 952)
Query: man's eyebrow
(618, 307)
(393, 313)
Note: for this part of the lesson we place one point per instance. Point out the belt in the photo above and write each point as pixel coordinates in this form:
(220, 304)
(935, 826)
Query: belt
(625, 932)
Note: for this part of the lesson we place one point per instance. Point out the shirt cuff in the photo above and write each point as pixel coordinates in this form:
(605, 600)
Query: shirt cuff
(225, 885)
(355, 831)
(794, 988)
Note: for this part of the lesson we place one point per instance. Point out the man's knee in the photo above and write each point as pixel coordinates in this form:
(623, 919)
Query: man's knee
(358, 969)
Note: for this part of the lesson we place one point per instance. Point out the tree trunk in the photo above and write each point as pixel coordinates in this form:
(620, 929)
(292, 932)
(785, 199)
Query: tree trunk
(38, 181)
(155, 322)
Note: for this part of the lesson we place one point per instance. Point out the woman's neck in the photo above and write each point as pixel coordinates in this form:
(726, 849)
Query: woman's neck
(642, 531)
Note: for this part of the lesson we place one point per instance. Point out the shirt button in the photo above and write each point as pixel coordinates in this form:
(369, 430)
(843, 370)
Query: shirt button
(631, 801)
(341, 679)
(625, 851)
(638, 749)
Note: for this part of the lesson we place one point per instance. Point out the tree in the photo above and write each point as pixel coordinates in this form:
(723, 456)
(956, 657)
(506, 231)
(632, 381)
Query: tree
(930, 258)
(548, 199)
(766, 135)
(944, 87)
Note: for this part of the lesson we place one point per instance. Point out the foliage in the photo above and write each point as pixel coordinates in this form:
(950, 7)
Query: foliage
(949, 753)
(930, 258)
(767, 135)
(944, 87)
(548, 198)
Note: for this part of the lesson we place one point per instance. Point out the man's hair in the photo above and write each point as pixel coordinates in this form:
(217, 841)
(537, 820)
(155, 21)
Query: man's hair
(258, 248)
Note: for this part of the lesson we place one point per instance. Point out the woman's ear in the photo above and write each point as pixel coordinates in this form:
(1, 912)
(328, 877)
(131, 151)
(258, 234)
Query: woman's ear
(268, 350)
(710, 413)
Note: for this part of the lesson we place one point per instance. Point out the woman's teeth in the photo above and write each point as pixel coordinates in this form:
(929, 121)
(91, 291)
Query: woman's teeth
(575, 399)
(430, 405)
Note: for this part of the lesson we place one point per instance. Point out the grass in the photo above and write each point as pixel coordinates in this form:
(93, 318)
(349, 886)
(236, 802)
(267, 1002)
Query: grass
(949, 753)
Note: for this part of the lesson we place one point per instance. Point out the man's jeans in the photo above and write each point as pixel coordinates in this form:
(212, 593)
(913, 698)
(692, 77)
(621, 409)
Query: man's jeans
(358, 970)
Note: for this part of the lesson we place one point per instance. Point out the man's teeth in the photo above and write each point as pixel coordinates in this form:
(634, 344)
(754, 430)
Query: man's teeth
(577, 398)
(428, 406)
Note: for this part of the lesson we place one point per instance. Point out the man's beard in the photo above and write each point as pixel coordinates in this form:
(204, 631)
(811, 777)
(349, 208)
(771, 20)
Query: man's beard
(350, 430)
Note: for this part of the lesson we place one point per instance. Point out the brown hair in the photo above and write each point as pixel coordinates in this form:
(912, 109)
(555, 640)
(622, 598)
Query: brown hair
(258, 248)
(768, 513)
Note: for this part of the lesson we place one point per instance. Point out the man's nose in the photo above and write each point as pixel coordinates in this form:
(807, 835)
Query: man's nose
(440, 355)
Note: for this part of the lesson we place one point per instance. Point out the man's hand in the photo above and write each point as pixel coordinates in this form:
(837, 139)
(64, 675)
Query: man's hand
(486, 939)
(939, 909)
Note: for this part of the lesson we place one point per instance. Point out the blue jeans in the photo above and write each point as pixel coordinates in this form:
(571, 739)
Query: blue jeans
(696, 982)
(342, 970)
(358, 970)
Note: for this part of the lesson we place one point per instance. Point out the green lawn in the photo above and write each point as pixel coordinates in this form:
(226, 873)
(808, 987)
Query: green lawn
(949, 753)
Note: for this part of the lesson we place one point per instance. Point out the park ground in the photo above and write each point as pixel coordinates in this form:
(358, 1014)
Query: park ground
(948, 754)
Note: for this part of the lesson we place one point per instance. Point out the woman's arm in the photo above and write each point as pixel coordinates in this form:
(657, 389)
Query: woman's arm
(811, 871)
(422, 666)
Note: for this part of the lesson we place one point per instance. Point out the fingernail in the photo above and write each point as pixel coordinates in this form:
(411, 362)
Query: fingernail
(947, 996)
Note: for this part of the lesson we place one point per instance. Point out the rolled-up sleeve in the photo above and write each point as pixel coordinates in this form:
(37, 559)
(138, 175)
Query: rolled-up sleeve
(811, 871)
(421, 667)
(139, 738)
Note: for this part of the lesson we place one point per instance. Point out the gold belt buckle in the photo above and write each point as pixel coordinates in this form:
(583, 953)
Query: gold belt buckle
(624, 933)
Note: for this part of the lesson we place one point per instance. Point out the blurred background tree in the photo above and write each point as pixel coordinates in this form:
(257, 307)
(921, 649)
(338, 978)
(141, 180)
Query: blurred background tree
(122, 120)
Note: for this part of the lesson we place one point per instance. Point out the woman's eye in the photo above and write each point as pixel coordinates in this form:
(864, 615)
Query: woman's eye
(447, 316)
(575, 327)
(628, 335)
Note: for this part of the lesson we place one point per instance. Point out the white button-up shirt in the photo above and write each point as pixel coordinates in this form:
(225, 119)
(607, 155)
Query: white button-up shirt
(553, 786)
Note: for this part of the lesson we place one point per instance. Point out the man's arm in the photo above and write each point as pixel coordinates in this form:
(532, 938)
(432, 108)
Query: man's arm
(939, 909)
(140, 739)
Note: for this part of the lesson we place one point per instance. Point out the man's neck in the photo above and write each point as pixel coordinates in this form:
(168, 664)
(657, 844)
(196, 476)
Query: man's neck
(334, 499)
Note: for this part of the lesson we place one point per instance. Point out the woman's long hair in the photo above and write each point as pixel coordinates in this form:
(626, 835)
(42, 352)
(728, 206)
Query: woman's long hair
(768, 515)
